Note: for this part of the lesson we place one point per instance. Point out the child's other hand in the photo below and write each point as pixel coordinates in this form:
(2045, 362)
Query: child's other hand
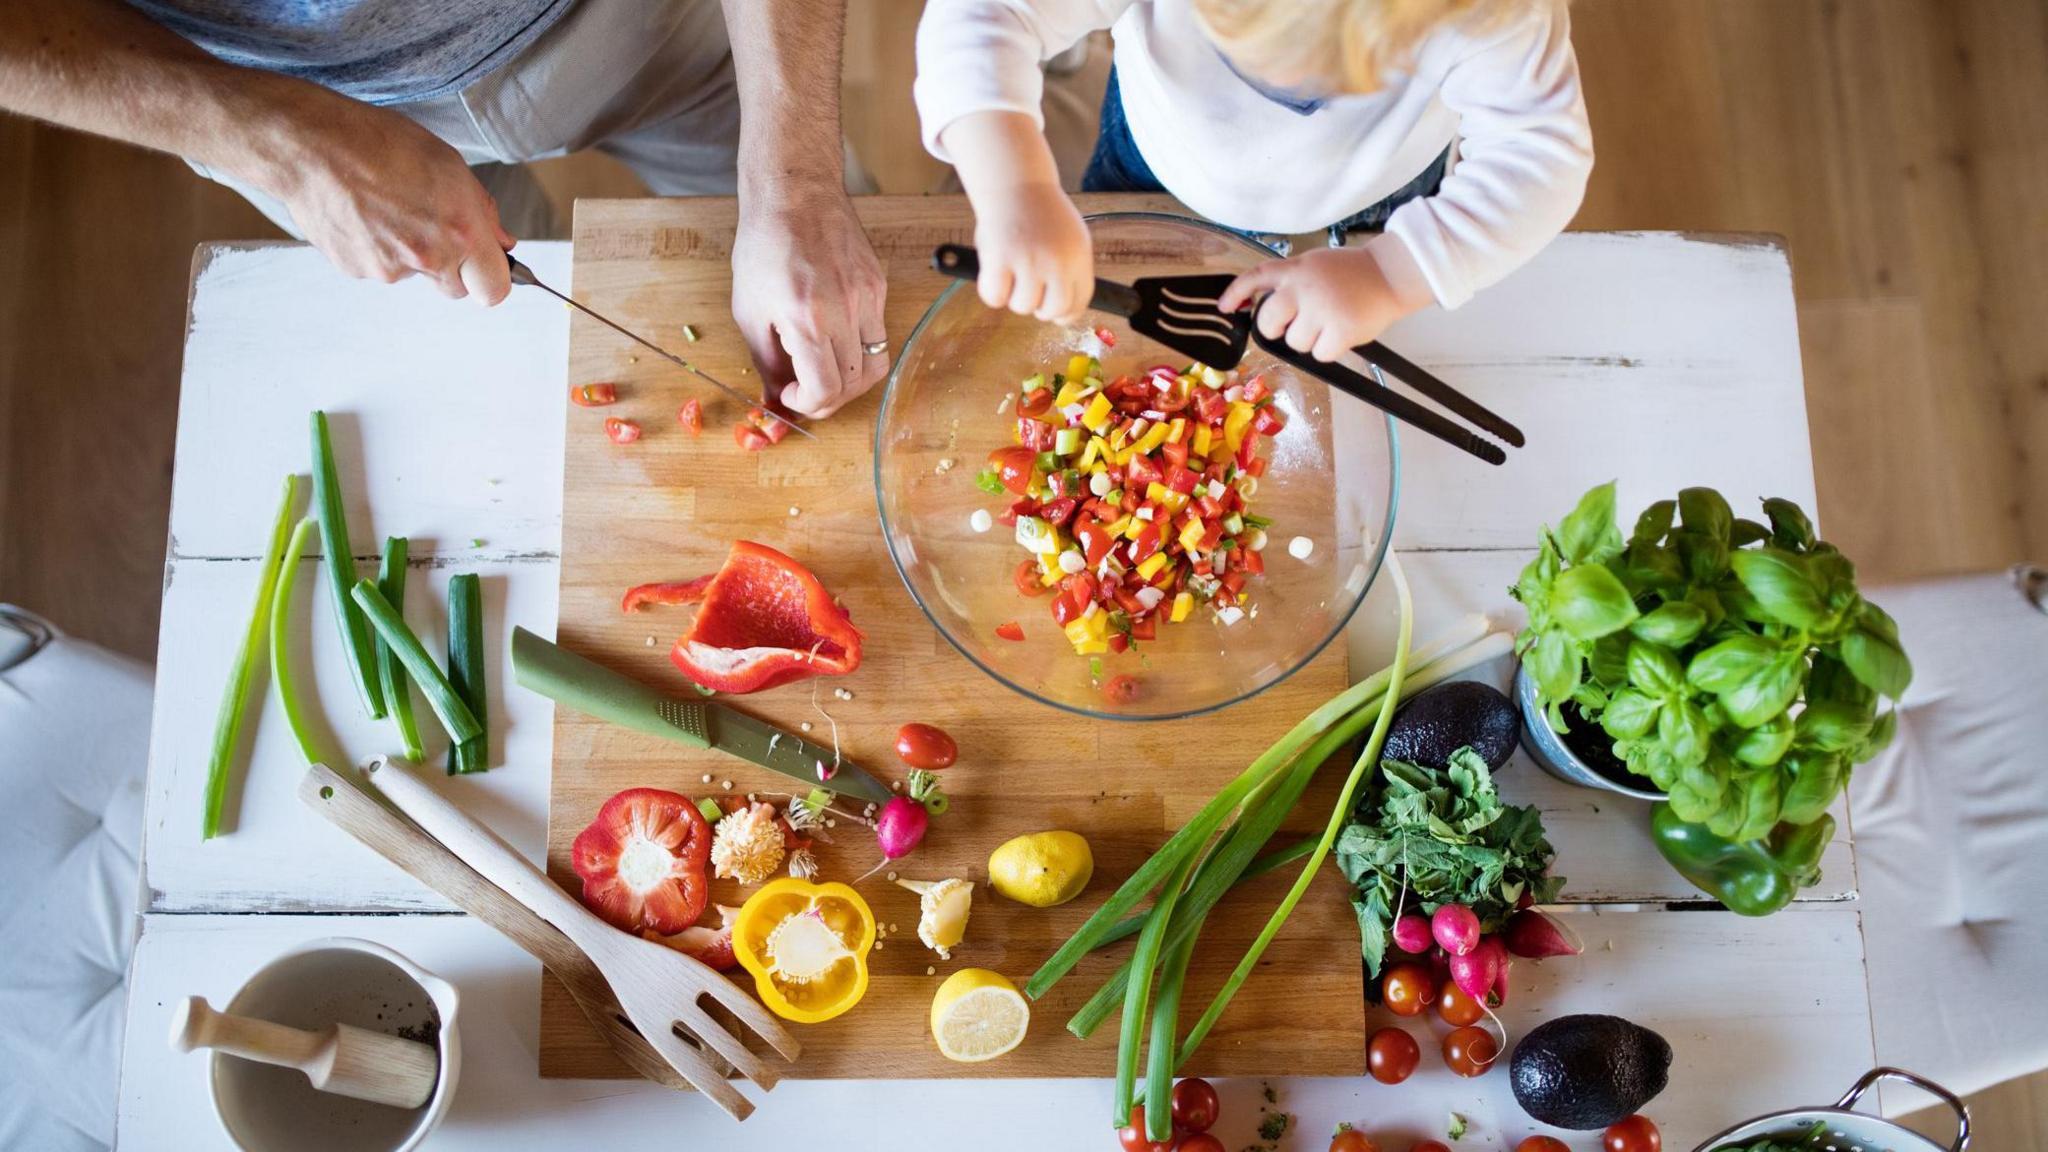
(1036, 259)
(1328, 301)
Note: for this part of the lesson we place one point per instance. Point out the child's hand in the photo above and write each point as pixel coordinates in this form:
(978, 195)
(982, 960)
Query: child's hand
(1036, 259)
(1325, 302)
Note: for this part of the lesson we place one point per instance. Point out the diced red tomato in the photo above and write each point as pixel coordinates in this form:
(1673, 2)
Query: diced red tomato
(1233, 582)
(1268, 421)
(1145, 543)
(1010, 630)
(594, 395)
(1128, 601)
(1255, 562)
(1118, 642)
(1180, 479)
(1210, 407)
(1059, 511)
(1107, 337)
(774, 430)
(1035, 403)
(1036, 435)
(1208, 506)
(1169, 402)
(1064, 608)
(750, 437)
(691, 416)
(1257, 467)
(1095, 542)
(1013, 467)
(1121, 689)
(1083, 587)
(1255, 390)
(1175, 455)
(621, 431)
(1141, 471)
(1027, 578)
(1145, 628)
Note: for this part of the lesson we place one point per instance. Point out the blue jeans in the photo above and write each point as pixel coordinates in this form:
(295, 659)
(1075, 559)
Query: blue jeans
(1118, 166)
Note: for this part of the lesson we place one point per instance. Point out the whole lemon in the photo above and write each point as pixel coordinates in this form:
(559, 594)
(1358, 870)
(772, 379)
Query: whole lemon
(1041, 869)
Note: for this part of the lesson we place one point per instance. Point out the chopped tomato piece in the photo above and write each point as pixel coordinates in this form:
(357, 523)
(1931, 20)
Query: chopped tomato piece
(691, 415)
(1180, 479)
(1036, 435)
(1144, 628)
(1121, 689)
(1013, 466)
(1268, 421)
(642, 861)
(1059, 511)
(1145, 543)
(1010, 630)
(1255, 390)
(1210, 407)
(750, 437)
(1094, 539)
(1255, 562)
(1107, 337)
(1118, 642)
(1035, 403)
(594, 395)
(1174, 454)
(1141, 471)
(621, 431)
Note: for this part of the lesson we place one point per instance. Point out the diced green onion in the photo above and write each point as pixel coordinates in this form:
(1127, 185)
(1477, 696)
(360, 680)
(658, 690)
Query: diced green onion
(454, 715)
(466, 669)
(1033, 382)
(989, 482)
(1257, 521)
(341, 571)
(390, 673)
(280, 650)
(227, 726)
(709, 809)
(1046, 462)
(1066, 441)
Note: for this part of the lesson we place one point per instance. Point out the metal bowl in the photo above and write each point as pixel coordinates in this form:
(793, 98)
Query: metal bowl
(1842, 1129)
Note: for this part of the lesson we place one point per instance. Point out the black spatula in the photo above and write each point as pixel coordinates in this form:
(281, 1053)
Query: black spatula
(1181, 313)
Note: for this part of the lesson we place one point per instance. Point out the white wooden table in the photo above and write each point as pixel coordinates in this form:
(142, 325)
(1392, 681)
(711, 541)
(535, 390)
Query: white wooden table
(1663, 360)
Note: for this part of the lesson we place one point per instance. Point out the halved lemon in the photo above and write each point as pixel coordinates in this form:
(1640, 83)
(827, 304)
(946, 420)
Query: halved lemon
(978, 1015)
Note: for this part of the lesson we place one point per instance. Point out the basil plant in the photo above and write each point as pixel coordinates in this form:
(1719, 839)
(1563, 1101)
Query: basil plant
(1731, 662)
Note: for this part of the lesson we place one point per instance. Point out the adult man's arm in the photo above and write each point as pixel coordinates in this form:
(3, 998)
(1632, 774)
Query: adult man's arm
(382, 197)
(807, 289)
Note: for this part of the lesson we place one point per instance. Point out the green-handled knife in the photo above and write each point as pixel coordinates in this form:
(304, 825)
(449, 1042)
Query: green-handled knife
(595, 690)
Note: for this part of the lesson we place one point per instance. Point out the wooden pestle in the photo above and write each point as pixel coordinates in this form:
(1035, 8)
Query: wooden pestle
(342, 1059)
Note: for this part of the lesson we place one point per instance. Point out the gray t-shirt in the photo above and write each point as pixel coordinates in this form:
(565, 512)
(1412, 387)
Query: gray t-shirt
(376, 51)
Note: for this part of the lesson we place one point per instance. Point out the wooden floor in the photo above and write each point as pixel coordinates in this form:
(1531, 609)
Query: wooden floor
(1901, 146)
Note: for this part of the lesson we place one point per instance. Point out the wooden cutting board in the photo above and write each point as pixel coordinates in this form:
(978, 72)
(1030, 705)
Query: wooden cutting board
(666, 507)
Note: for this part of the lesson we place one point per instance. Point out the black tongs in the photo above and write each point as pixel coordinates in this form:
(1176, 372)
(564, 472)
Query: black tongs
(1181, 313)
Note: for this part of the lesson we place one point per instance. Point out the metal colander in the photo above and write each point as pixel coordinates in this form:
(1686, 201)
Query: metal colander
(1848, 1130)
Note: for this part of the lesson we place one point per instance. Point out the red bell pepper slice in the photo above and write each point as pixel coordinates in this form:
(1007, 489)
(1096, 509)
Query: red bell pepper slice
(762, 620)
(1010, 630)
(669, 843)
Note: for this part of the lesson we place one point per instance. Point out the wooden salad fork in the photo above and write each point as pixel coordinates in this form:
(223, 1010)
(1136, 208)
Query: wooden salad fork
(348, 807)
(660, 989)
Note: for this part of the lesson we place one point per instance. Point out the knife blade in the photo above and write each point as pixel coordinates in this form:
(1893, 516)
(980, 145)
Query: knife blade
(593, 689)
(521, 274)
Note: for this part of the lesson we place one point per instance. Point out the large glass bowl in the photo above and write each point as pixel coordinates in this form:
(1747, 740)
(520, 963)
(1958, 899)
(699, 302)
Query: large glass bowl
(943, 412)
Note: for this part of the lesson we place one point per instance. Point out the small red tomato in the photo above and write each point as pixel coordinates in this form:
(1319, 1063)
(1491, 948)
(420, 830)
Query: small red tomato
(1195, 1106)
(1391, 1055)
(1470, 1051)
(594, 395)
(1430, 1146)
(1035, 403)
(621, 431)
(691, 415)
(1352, 1140)
(1132, 1135)
(1010, 630)
(1542, 1144)
(1457, 1009)
(1121, 689)
(1027, 579)
(925, 746)
(1204, 1142)
(1633, 1134)
(750, 437)
(1408, 988)
(1013, 466)
(1107, 337)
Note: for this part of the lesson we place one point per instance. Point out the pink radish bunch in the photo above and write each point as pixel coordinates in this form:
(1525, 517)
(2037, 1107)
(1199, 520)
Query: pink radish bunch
(1411, 934)
(1535, 935)
(900, 827)
(1455, 929)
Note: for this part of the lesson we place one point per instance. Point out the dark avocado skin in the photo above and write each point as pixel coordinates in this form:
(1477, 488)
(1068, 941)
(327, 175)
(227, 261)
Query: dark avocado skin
(1450, 716)
(1586, 1072)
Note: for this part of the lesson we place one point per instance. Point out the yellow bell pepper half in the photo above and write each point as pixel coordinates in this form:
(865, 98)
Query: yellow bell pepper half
(806, 946)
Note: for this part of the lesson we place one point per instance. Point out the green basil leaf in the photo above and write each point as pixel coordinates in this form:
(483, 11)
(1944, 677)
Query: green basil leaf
(1812, 782)
(1629, 714)
(1877, 622)
(1653, 567)
(1765, 744)
(1705, 557)
(1832, 680)
(1690, 804)
(1588, 602)
(1766, 692)
(1683, 729)
(1648, 758)
(1876, 662)
(1654, 669)
(1607, 662)
(1673, 624)
(1739, 604)
(1554, 664)
(1588, 535)
(1779, 582)
(1745, 532)
(1833, 726)
(1708, 601)
(1881, 732)
(1532, 588)
(1762, 803)
(1703, 511)
(1653, 524)
(1834, 576)
(1789, 526)
(1725, 666)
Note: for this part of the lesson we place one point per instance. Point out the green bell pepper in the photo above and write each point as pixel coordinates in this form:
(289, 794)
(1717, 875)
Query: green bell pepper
(1752, 877)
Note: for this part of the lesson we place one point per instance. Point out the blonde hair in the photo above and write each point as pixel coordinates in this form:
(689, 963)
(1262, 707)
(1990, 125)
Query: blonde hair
(1343, 46)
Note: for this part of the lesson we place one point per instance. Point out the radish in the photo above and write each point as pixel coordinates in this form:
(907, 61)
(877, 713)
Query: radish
(1500, 983)
(1475, 972)
(1411, 934)
(1456, 928)
(900, 827)
(1537, 936)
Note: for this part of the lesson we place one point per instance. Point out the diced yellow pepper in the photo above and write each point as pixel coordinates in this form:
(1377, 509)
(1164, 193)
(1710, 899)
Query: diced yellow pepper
(1117, 526)
(1178, 430)
(1091, 648)
(1077, 631)
(1098, 624)
(1151, 440)
(1173, 501)
(1151, 565)
(1191, 537)
(1081, 366)
(1204, 438)
(1235, 423)
(1096, 415)
(1183, 603)
(1069, 393)
(1090, 451)
(1049, 567)
(1157, 492)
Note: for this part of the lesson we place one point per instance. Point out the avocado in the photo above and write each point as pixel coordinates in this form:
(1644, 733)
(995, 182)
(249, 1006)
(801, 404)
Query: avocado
(1450, 716)
(1586, 1072)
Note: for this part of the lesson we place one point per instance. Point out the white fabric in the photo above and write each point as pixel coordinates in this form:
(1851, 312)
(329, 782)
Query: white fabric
(1951, 827)
(74, 737)
(1242, 159)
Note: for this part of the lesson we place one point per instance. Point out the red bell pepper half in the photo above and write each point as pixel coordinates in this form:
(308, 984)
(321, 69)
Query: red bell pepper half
(642, 861)
(762, 620)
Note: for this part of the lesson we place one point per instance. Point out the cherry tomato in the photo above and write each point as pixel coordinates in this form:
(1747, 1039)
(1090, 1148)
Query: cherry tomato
(1391, 1055)
(621, 431)
(925, 746)
(1121, 689)
(1027, 578)
(1352, 1140)
(1470, 1051)
(1194, 1106)
(1407, 988)
(750, 437)
(1430, 1146)
(1013, 467)
(594, 395)
(1457, 1009)
(1203, 1142)
(1132, 1135)
(1010, 630)
(1633, 1134)
(691, 415)
(1542, 1144)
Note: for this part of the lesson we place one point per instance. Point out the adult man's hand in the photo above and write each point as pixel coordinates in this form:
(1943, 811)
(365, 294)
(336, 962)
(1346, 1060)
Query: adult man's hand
(807, 292)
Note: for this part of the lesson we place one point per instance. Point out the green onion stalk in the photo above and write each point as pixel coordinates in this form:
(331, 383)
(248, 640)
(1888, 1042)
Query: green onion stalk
(447, 704)
(341, 572)
(227, 727)
(280, 650)
(390, 673)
